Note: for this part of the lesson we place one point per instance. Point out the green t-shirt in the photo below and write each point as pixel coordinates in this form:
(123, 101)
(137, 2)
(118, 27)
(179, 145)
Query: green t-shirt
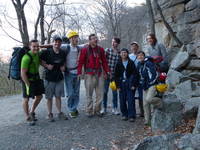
(32, 67)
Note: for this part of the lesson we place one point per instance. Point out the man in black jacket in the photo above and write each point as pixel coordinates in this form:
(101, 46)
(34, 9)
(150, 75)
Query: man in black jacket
(126, 78)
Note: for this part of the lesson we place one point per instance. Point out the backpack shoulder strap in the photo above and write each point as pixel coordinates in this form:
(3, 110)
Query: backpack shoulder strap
(68, 49)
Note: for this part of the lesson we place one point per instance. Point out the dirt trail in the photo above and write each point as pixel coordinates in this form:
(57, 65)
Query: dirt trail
(81, 133)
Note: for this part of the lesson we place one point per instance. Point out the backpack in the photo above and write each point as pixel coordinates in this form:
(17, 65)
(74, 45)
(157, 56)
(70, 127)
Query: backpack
(15, 62)
(68, 49)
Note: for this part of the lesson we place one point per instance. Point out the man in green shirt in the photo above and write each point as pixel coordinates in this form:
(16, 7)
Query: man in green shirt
(32, 85)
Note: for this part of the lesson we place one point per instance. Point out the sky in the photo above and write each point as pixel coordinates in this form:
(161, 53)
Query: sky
(31, 14)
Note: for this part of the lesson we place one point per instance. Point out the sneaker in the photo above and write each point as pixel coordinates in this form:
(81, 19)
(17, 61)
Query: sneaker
(62, 116)
(132, 119)
(103, 111)
(115, 111)
(124, 118)
(32, 115)
(50, 117)
(73, 114)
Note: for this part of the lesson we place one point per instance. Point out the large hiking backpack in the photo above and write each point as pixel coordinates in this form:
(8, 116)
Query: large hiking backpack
(15, 62)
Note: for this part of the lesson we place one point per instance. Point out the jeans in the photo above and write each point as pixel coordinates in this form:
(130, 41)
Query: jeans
(105, 96)
(72, 91)
(127, 100)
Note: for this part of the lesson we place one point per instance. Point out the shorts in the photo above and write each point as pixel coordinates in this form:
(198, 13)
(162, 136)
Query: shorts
(36, 89)
(54, 89)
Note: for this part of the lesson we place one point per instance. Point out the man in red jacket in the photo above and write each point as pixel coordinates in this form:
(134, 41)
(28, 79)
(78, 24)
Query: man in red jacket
(93, 58)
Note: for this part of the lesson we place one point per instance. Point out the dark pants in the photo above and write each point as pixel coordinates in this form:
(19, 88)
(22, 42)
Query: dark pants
(140, 99)
(127, 100)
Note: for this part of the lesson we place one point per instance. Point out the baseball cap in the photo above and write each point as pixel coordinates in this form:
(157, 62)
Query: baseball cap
(57, 38)
(134, 42)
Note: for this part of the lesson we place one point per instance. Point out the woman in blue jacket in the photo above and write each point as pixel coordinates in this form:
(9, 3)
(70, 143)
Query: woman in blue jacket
(148, 80)
(126, 78)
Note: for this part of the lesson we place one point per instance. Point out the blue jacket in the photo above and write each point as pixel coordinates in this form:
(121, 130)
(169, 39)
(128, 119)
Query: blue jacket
(148, 74)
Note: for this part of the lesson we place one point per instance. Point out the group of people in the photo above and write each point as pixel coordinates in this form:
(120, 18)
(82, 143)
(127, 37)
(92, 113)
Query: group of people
(68, 63)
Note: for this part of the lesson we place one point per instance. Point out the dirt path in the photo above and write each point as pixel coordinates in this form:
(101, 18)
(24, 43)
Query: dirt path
(81, 133)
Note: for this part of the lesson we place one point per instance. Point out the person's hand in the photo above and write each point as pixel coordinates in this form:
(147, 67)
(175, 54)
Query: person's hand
(79, 77)
(118, 89)
(62, 68)
(110, 76)
(49, 67)
(132, 88)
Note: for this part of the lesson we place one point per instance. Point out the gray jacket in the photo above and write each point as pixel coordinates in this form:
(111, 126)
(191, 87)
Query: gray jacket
(159, 50)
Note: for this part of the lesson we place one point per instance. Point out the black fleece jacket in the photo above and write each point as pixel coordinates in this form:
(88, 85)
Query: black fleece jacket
(132, 74)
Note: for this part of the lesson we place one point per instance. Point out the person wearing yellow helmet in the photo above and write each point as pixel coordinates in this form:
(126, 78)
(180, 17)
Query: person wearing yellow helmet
(72, 83)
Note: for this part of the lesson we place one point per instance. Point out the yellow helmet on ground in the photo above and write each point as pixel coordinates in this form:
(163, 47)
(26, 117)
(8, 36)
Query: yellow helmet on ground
(161, 87)
(113, 86)
(72, 33)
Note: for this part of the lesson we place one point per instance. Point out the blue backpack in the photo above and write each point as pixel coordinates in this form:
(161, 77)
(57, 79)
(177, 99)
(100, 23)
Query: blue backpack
(15, 62)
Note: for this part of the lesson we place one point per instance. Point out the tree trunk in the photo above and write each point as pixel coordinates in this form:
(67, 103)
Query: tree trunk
(19, 8)
(151, 16)
(42, 3)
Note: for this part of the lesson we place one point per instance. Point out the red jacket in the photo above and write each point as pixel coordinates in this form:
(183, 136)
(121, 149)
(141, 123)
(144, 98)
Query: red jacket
(93, 60)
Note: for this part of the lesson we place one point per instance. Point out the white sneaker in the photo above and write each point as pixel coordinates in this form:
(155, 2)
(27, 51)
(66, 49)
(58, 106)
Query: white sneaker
(103, 111)
(115, 111)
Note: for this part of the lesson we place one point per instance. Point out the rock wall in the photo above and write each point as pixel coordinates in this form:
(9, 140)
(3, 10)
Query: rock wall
(183, 97)
(184, 74)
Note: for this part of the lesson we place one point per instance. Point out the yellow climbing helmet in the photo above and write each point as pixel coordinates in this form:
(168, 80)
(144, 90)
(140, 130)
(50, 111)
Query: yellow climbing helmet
(113, 86)
(161, 87)
(72, 33)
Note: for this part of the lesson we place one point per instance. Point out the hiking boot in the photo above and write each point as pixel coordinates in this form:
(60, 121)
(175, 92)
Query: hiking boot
(99, 114)
(50, 117)
(30, 121)
(73, 114)
(62, 116)
(142, 115)
(32, 115)
(124, 118)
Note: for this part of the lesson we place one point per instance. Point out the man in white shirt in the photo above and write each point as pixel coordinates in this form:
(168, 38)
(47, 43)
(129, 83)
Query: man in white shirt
(139, 91)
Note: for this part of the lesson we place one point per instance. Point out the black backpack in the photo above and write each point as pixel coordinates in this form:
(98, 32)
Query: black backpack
(15, 62)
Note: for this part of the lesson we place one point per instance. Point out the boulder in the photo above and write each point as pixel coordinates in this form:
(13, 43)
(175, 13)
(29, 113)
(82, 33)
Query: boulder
(184, 90)
(194, 76)
(189, 142)
(180, 60)
(194, 64)
(191, 107)
(173, 78)
(197, 126)
(165, 122)
(192, 4)
(163, 142)
(192, 16)
(168, 116)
